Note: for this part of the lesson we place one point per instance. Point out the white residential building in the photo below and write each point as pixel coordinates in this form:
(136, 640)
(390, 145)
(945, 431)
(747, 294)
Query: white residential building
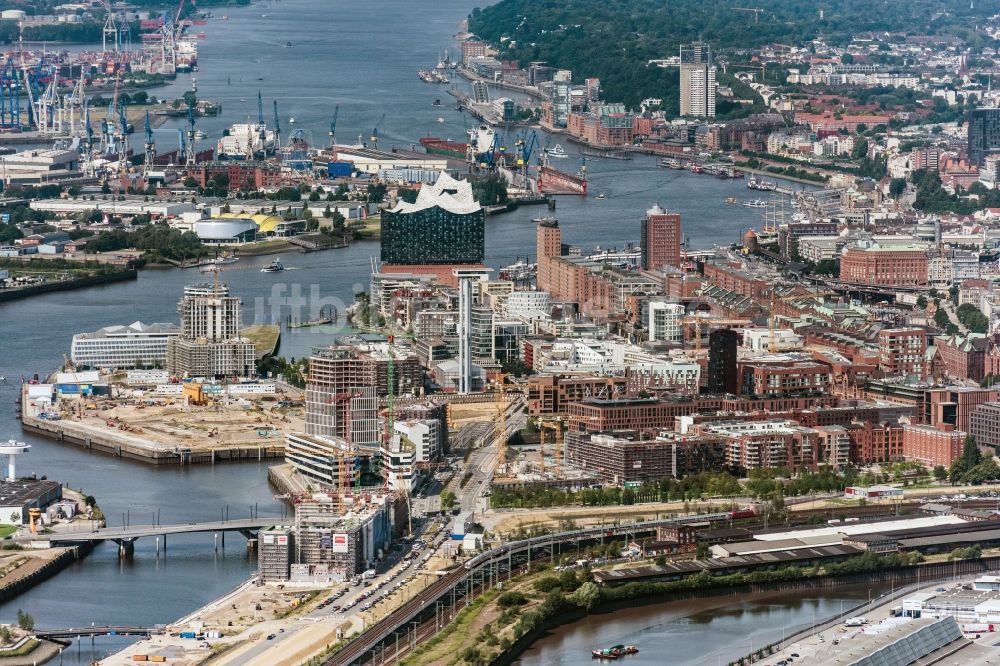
(133, 346)
(424, 435)
(665, 322)
(759, 340)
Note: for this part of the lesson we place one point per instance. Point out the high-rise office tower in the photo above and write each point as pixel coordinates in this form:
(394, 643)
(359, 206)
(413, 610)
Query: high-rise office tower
(984, 135)
(722, 375)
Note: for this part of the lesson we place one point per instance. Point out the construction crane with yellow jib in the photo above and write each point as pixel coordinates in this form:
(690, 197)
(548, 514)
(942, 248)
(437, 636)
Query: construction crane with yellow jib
(500, 422)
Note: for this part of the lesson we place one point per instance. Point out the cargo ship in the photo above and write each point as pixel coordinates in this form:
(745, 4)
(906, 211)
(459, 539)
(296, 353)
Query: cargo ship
(436, 146)
(245, 140)
(187, 56)
(553, 181)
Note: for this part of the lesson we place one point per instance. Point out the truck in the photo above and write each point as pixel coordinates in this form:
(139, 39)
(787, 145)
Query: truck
(368, 575)
(855, 622)
(189, 634)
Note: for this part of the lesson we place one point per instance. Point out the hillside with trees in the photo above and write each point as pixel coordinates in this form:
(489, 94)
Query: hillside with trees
(614, 39)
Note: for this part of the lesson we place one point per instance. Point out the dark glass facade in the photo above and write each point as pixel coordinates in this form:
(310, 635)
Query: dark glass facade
(722, 375)
(433, 236)
(984, 134)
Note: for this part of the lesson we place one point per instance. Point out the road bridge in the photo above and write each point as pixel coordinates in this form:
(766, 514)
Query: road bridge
(106, 630)
(125, 536)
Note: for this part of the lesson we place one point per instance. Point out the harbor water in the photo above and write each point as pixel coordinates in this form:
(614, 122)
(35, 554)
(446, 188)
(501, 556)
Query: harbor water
(363, 56)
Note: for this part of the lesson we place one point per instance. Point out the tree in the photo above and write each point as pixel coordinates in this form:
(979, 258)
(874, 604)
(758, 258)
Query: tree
(587, 596)
(971, 455)
(5, 634)
(922, 301)
(897, 187)
(703, 552)
(25, 620)
(940, 473)
(448, 500)
(860, 149)
(376, 193)
(338, 220)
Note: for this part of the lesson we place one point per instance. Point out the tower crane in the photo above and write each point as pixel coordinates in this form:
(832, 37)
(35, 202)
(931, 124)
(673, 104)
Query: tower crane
(374, 137)
(757, 11)
(333, 126)
(500, 421)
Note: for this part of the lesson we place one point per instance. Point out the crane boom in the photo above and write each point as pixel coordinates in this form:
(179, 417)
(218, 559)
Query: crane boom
(333, 126)
(277, 127)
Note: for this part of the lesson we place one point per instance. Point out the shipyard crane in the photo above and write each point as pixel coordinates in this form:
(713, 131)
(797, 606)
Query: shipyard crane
(122, 142)
(374, 137)
(525, 148)
(260, 110)
(150, 147)
(757, 11)
(190, 154)
(88, 165)
(333, 126)
(277, 128)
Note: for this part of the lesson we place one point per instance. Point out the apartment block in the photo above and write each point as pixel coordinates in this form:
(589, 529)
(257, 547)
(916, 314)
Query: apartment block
(932, 445)
(902, 352)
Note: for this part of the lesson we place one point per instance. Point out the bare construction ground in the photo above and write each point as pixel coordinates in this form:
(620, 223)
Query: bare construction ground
(170, 424)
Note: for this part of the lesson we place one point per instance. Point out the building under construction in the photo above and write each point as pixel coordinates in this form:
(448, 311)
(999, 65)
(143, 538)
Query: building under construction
(347, 380)
(210, 344)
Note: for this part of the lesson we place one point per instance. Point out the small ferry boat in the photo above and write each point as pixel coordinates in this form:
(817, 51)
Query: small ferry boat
(602, 195)
(274, 267)
(755, 203)
(558, 152)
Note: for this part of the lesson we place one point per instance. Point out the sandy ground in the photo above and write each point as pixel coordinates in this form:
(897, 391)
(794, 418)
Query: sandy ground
(169, 423)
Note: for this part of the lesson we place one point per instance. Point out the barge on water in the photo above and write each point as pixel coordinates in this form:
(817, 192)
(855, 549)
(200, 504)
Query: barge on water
(436, 146)
(614, 652)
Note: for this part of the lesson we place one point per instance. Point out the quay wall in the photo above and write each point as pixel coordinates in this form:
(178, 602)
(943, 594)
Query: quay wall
(77, 283)
(109, 443)
(14, 587)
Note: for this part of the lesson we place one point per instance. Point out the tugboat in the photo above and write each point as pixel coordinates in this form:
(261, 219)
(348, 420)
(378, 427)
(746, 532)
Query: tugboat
(274, 267)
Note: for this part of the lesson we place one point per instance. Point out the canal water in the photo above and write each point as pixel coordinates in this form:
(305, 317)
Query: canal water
(363, 56)
(700, 631)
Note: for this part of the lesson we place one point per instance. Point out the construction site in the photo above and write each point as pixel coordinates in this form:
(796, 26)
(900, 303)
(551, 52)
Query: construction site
(198, 424)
